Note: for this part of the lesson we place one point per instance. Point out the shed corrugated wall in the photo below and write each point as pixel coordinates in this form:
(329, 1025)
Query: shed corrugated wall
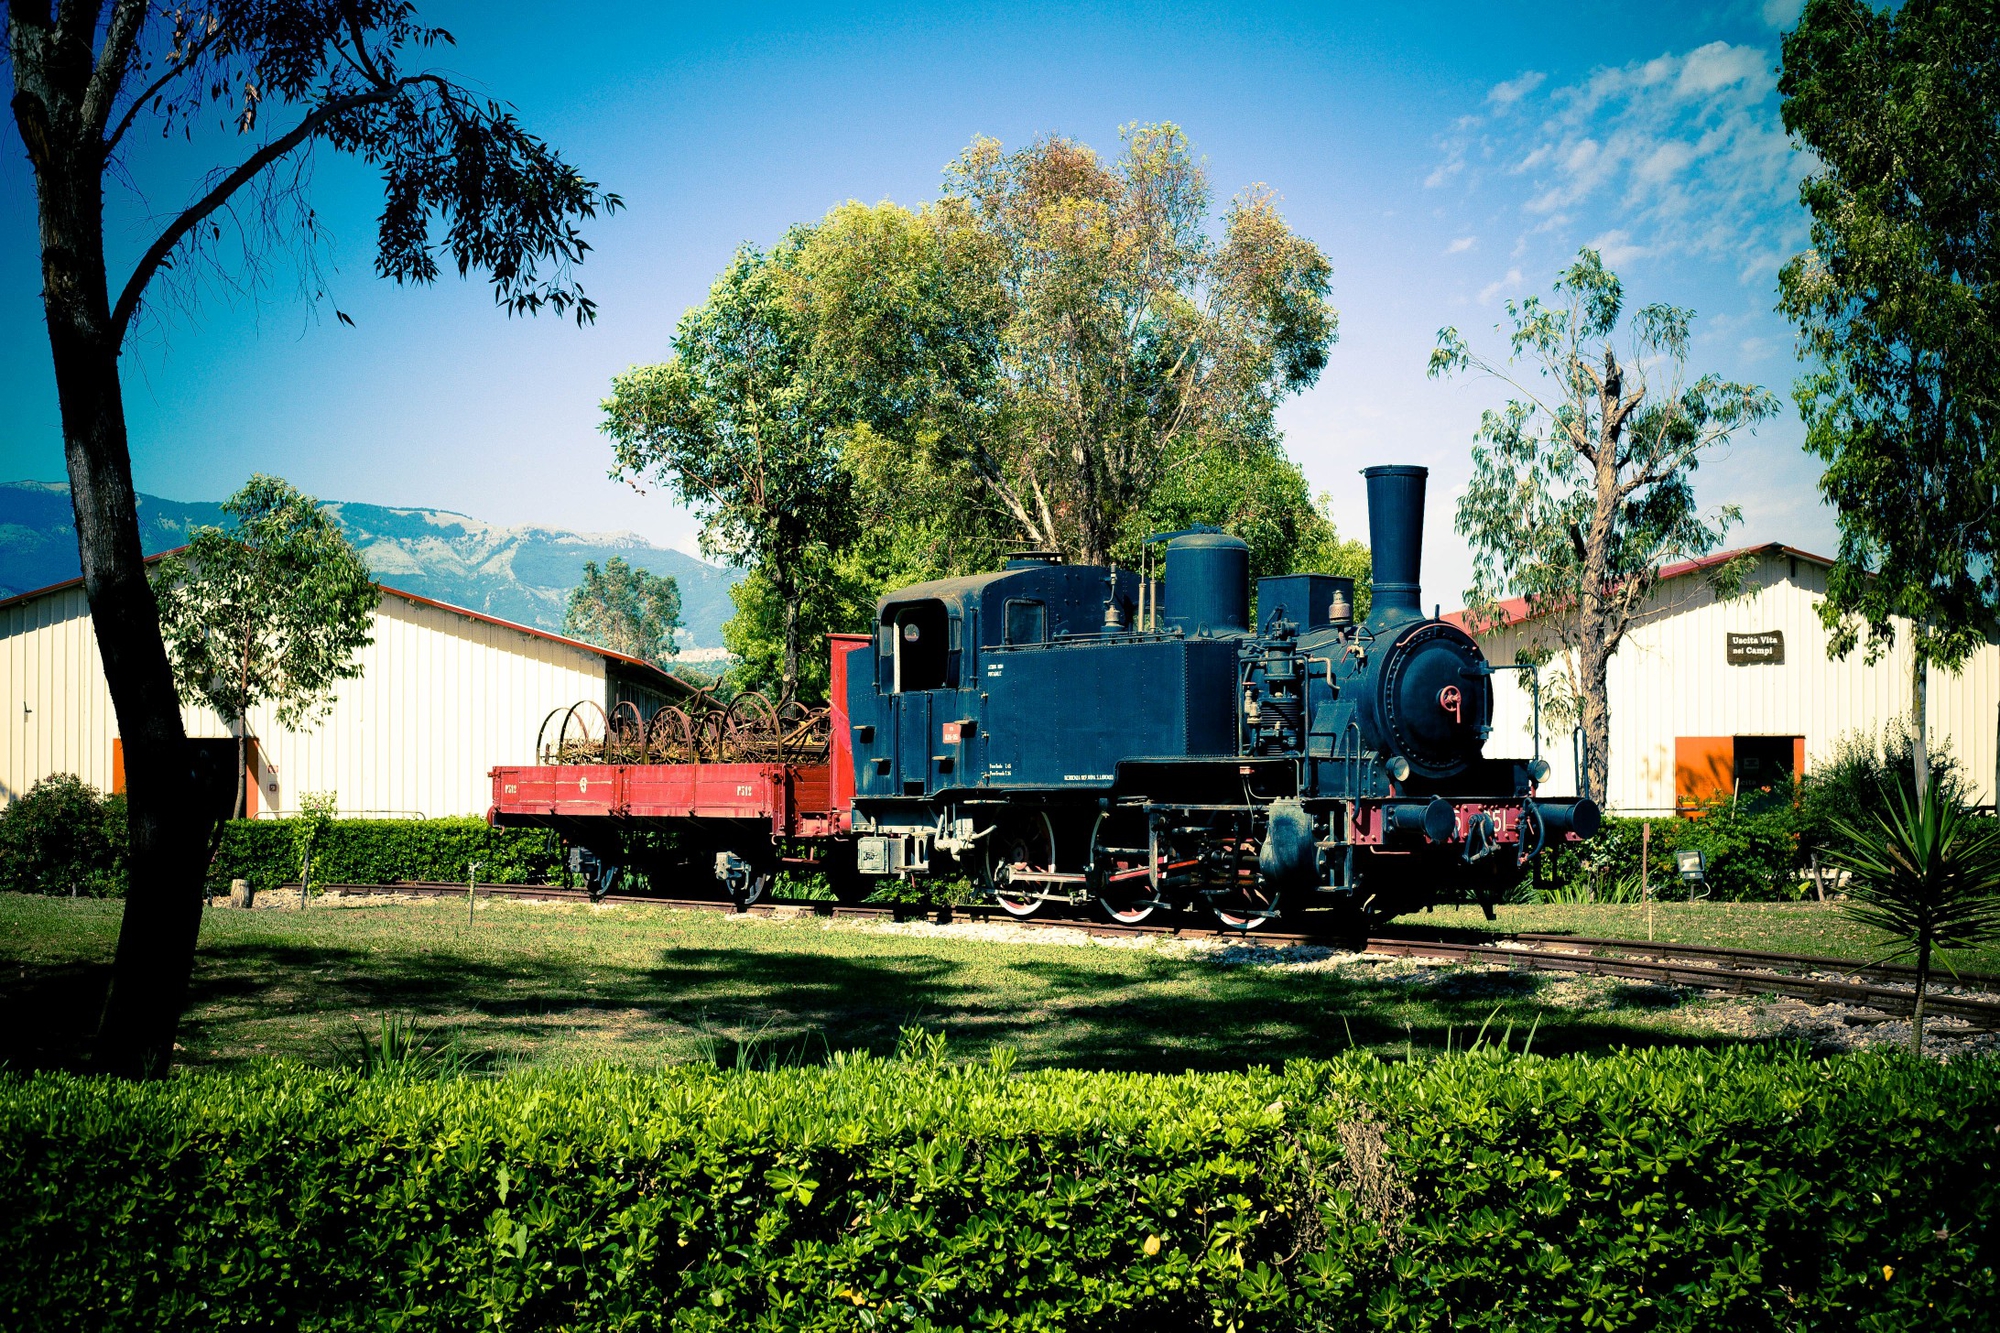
(1671, 678)
(442, 698)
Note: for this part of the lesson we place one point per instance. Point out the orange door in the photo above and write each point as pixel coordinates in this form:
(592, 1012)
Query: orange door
(1704, 768)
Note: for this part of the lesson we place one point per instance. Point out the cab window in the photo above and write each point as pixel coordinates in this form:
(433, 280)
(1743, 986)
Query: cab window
(1027, 622)
(923, 653)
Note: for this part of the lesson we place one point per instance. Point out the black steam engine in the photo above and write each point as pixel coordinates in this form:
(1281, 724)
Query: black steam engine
(1078, 735)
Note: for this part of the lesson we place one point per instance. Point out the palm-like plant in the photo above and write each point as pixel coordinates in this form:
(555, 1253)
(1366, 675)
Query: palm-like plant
(1927, 874)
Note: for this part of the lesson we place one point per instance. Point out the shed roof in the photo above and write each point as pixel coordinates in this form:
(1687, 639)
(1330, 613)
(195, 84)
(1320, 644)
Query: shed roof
(636, 666)
(1514, 610)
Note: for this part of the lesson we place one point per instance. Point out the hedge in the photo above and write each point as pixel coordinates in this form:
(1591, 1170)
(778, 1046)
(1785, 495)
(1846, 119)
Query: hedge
(1752, 856)
(382, 851)
(1741, 1190)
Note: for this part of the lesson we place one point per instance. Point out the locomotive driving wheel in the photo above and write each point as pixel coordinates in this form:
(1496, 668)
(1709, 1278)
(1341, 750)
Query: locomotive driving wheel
(1128, 907)
(1020, 845)
(1128, 896)
(1243, 900)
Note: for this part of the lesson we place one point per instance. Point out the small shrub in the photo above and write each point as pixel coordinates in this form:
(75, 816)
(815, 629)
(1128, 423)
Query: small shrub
(1858, 784)
(64, 837)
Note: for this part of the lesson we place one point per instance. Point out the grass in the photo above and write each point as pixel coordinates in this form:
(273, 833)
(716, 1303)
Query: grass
(538, 984)
(1803, 928)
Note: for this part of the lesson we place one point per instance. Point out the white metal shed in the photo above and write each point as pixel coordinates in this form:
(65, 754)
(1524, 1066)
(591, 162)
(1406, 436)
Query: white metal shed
(445, 694)
(1709, 694)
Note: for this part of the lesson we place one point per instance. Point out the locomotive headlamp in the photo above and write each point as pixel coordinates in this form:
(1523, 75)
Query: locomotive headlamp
(1399, 767)
(1539, 769)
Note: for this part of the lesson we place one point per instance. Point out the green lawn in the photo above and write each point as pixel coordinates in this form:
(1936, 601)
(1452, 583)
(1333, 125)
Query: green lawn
(1802, 928)
(540, 984)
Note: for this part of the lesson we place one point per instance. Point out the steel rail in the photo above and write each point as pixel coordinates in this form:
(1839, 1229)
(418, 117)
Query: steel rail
(1763, 958)
(1981, 1013)
(1530, 952)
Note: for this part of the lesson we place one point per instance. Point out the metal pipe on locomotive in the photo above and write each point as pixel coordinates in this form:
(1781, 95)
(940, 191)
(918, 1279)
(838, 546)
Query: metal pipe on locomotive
(1079, 735)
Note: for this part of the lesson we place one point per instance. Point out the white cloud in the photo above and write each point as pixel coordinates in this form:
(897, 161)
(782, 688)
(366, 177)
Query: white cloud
(1511, 282)
(1445, 171)
(1461, 245)
(1513, 90)
(1782, 13)
(1679, 154)
(1616, 247)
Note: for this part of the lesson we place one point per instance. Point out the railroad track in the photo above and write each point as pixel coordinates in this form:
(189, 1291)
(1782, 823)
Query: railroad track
(1700, 967)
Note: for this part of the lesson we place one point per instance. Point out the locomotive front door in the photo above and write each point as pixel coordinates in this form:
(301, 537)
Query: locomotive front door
(913, 742)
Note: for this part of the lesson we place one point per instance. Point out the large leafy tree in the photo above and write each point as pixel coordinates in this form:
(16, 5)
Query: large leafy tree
(265, 84)
(1582, 484)
(628, 610)
(1111, 330)
(269, 610)
(1898, 302)
(737, 424)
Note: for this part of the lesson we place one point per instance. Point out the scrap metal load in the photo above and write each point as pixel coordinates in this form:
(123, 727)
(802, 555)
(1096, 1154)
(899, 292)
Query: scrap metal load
(707, 729)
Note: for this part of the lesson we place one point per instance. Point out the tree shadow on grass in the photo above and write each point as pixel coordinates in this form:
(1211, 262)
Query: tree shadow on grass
(49, 1012)
(1149, 1012)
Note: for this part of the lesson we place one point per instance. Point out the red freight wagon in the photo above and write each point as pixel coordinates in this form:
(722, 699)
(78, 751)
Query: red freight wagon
(742, 820)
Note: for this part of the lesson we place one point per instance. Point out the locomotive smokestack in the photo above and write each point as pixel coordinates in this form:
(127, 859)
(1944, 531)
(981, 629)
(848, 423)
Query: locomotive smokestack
(1396, 541)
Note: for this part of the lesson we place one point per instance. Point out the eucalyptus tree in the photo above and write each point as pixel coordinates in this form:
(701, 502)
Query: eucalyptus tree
(737, 425)
(1130, 332)
(463, 183)
(1582, 484)
(626, 609)
(1032, 355)
(269, 610)
(1898, 304)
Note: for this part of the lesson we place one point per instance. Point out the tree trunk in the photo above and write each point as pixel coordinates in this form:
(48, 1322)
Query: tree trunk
(243, 731)
(789, 688)
(1920, 748)
(1923, 985)
(1595, 708)
(156, 940)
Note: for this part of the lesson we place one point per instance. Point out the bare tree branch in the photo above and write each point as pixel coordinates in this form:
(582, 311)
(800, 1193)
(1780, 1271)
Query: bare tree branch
(156, 253)
(175, 71)
(119, 38)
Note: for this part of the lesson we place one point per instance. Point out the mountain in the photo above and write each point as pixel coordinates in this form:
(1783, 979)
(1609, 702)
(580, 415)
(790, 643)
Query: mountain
(520, 573)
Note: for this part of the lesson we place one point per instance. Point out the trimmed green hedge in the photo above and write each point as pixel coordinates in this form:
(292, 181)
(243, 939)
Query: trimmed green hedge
(1752, 856)
(1737, 1191)
(382, 851)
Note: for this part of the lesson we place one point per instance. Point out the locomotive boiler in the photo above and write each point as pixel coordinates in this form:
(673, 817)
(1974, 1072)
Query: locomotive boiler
(1086, 736)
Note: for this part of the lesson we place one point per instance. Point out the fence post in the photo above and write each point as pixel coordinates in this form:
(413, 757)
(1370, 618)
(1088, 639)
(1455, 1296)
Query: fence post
(1645, 876)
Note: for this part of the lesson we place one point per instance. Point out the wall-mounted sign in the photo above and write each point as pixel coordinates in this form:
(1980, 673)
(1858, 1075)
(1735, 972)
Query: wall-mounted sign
(1766, 648)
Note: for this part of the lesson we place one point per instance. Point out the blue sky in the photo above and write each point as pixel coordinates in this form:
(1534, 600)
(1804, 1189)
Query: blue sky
(1445, 157)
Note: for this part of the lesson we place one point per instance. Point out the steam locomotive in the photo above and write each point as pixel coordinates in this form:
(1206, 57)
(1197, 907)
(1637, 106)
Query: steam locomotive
(1084, 736)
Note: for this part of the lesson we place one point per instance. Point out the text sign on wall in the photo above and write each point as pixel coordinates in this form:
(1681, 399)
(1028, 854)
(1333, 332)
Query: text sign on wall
(1767, 647)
